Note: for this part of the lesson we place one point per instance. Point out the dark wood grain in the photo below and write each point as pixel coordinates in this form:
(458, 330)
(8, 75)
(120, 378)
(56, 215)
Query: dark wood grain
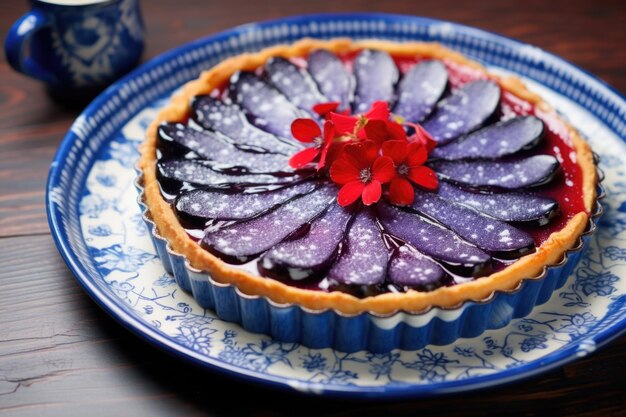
(61, 355)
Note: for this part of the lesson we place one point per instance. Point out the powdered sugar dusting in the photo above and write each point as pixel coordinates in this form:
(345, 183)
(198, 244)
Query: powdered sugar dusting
(364, 257)
(202, 173)
(376, 76)
(409, 268)
(466, 109)
(332, 77)
(311, 254)
(211, 146)
(431, 239)
(271, 111)
(528, 172)
(223, 205)
(495, 141)
(512, 207)
(252, 237)
(228, 119)
(295, 83)
(485, 232)
(420, 89)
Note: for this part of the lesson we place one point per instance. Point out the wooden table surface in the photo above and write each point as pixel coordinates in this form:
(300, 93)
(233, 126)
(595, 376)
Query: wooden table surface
(61, 355)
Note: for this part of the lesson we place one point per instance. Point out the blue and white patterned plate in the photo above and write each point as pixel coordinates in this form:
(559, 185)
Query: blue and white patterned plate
(98, 228)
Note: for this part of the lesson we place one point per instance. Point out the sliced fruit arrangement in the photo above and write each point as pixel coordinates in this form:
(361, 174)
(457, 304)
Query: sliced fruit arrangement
(351, 175)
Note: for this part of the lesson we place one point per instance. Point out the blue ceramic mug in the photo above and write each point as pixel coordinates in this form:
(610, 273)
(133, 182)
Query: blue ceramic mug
(76, 47)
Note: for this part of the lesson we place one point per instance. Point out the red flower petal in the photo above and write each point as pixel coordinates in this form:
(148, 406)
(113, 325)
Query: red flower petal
(383, 169)
(329, 131)
(422, 136)
(354, 152)
(361, 132)
(397, 150)
(416, 154)
(350, 192)
(372, 192)
(363, 153)
(401, 192)
(344, 171)
(329, 135)
(322, 162)
(378, 111)
(334, 152)
(376, 130)
(303, 157)
(395, 131)
(305, 130)
(343, 124)
(424, 177)
(370, 150)
(323, 109)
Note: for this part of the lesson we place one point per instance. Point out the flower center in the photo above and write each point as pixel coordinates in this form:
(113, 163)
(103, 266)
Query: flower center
(360, 124)
(365, 176)
(318, 141)
(398, 119)
(403, 170)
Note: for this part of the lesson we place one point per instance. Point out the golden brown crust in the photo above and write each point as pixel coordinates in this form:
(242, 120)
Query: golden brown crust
(550, 252)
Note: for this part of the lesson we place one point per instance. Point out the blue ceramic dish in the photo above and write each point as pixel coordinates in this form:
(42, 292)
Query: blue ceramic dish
(99, 231)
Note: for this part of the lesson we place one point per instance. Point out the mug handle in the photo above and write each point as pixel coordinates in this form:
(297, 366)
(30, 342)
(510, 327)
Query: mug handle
(17, 42)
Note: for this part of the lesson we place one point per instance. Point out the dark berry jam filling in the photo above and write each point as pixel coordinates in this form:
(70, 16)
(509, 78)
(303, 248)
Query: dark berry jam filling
(506, 175)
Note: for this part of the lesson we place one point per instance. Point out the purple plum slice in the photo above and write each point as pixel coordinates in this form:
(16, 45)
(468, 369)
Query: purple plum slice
(332, 77)
(213, 147)
(435, 241)
(509, 207)
(311, 255)
(410, 269)
(364, 256)
(465, 110)
(524, 173)
(173, 173)
(203, 205)
(495, 141)
(241, 242)
(497, 237)
(270, 110)
(420, 90)
(229, 120)
(295, 83)
(376, 76)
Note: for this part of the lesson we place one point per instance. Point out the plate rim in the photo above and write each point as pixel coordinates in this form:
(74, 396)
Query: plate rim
(130, 321)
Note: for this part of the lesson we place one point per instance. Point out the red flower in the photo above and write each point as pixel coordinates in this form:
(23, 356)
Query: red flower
(408, 159)
(361, 171)
(383, 130)
(308, 131)
(422, 136)
(334, 152)
(325, 109)
(353, 125)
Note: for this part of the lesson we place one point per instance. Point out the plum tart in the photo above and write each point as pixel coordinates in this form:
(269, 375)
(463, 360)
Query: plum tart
(365, 177)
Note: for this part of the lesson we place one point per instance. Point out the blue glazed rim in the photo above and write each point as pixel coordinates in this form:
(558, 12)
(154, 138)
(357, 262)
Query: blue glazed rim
(608, 106)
